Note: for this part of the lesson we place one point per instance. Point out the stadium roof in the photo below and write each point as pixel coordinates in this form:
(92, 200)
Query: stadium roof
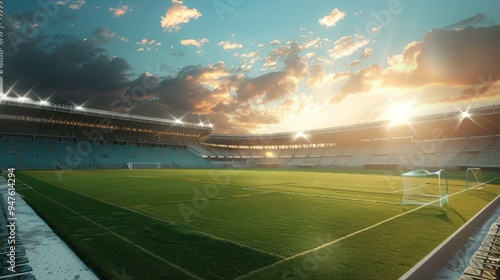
(56, 113)
(476, 122)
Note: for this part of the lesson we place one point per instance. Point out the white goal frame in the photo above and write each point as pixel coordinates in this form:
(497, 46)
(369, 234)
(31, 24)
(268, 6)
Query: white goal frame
(473, 171)
(143, 165)
(417, 195)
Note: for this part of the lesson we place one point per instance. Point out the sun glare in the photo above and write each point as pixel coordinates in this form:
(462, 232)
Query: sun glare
(399, 113)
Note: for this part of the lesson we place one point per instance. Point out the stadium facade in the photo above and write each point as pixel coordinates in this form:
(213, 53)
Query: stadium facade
(39, 135)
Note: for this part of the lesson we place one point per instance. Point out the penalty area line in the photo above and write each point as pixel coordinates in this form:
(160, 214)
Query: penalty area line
(351, 234)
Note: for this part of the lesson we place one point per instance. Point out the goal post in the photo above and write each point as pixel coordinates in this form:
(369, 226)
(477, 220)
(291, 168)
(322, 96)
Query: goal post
(473, 177)
(143, 165)
(424, 187)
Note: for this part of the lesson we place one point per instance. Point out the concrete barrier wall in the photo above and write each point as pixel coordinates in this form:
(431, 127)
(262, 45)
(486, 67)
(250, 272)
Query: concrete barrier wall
(438, 258)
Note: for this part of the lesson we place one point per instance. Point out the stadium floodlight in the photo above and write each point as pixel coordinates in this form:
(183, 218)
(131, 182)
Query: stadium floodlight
(23, 99)
(79, 108)
(424, 187)
(44, 102)
(465, 114)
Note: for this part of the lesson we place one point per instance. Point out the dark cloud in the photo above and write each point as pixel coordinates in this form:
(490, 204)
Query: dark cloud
(103, 35)
(460, 56)
(463, 57)
(64, 66)
(358, 82)
(270, 86)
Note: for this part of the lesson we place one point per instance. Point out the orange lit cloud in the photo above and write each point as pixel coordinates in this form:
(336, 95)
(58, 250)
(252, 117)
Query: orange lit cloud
(332, 18)
(178, 14)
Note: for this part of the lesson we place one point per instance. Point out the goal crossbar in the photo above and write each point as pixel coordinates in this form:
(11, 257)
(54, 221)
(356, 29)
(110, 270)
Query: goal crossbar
(422, 187)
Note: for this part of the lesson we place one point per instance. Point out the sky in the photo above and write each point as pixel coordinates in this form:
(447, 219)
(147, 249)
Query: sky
(256, 66)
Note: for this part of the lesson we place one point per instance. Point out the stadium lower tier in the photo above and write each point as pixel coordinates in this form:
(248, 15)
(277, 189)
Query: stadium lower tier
(448, 154)
(34, 154)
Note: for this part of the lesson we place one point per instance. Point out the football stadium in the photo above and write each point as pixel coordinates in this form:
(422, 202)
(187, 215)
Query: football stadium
(186, 139)
(171, 200)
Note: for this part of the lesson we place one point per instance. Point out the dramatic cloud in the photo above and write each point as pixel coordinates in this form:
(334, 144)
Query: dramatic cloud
(456, 57)
(316, 75)
(332, 18)
(193, 42)
(74, 69)
(347, 45)
(178, 14)
(228, 46)
(119, 11)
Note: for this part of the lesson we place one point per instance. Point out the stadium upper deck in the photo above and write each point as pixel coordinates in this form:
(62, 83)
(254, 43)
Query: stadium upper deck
(476, 122)
(481, 121)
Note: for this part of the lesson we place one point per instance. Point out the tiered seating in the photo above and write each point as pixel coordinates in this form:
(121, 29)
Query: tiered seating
(385, 149)
(404, 149)
(22, 269)
(367, 150)
(378, 159)
(486, 159)
(480, 144)
(348, 151)
(331, 151)
(34, 154)
(495, 146)
(484, 264)
(358, 161)
(326, 161)
(303, 152)
(456, 145)
(8, 158)
(317, 152)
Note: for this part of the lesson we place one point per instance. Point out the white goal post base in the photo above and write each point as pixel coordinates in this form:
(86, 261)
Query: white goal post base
(143, 165)
(424, 187)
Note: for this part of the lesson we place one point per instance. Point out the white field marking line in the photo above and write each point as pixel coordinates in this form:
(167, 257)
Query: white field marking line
(121, 237)
(169, 222)
(196, 200)
(325, 196)
(351, 234)
(407, 189)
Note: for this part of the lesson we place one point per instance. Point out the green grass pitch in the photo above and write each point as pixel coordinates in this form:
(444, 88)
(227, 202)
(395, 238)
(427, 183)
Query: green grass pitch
(246, 224)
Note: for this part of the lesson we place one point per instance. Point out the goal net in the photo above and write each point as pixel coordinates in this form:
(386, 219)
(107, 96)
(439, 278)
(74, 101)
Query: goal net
(473, 178)
(424, 187)
(143, 165)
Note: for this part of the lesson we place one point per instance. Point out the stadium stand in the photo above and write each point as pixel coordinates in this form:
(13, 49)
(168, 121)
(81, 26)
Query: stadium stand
(485, 262)
(33, 136)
